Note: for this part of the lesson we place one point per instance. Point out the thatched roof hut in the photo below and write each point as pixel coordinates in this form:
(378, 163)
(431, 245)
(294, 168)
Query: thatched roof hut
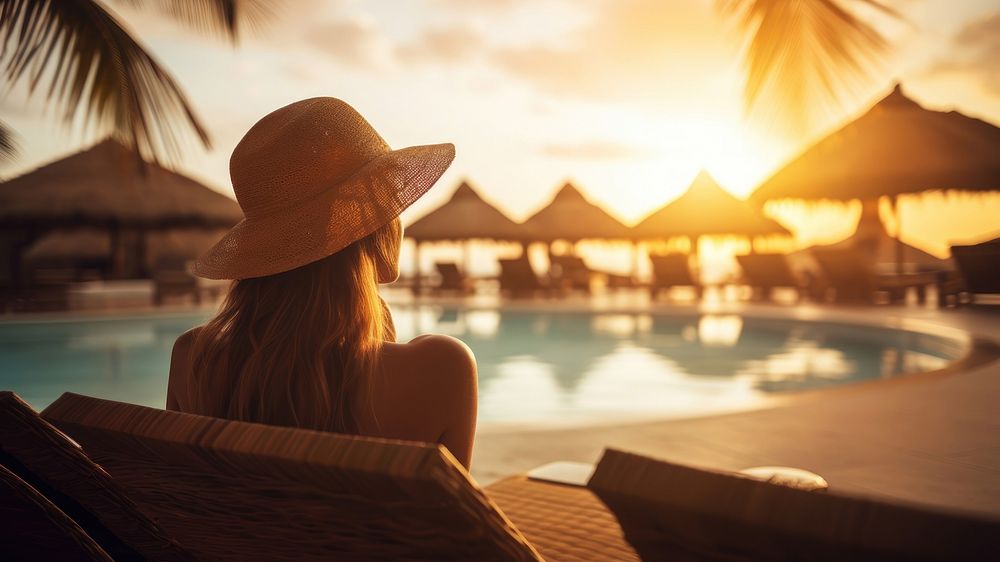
(102, 187)
(106, 185)
(896, 147)
(706, 209)
(73, 246)
(67, 247)
(466, 216)
(571, 217)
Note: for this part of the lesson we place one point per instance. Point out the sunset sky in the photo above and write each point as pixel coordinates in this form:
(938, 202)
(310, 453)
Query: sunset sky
(628, 98)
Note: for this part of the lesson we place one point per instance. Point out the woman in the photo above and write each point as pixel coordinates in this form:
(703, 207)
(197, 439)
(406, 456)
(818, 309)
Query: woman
(303, 338)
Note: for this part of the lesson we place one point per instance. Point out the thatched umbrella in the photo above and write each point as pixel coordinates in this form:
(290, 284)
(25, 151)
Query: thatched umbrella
(571, 217)
(897, 147)
(103, 186)
(72, 247)
(706, 209)
(464, 217)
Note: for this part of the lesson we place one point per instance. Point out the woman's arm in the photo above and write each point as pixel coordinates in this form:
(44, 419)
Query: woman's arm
(450, 376)
(461, 432)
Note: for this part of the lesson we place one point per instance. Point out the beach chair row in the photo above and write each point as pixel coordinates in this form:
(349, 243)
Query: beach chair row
(838, 275)
(91, 479)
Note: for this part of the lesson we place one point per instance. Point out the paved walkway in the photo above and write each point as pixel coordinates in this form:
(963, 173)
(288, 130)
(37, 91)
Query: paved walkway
(932, 438)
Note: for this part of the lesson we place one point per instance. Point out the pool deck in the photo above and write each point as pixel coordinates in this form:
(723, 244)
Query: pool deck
(929, 438)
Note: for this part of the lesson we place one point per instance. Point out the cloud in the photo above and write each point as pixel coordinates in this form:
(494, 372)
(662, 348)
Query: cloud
(442, 45)
(477, 6)
(627, 50)
(978, 52)
(355, 41)
(594, 150)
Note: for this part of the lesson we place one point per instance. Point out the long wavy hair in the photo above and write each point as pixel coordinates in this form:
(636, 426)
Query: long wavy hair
(299, 348)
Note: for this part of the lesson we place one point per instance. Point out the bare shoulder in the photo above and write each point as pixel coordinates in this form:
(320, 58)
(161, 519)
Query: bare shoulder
(434, 357)
(445, 348)
(184, 343)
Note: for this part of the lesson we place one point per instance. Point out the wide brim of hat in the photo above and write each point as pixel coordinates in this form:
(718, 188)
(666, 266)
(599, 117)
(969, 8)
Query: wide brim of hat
(329, 222)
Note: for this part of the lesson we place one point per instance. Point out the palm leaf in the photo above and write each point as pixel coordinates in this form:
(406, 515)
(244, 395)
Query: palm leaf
(803, 56)
(220, 17)
(87, 62)
(8, 147)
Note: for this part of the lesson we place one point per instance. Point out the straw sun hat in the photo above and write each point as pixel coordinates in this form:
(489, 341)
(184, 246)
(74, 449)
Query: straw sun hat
(311, 178)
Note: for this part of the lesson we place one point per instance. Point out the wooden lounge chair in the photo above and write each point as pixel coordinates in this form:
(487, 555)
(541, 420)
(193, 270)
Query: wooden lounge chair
(452, 278)
(231, 490)
(672, 270)
(766, 272)
(979, 268)
(853, 278)
(34, 529)
(518, 278)
(569, 273)
(674, 512)
(51, 463)
(236, 491)
(572, 273)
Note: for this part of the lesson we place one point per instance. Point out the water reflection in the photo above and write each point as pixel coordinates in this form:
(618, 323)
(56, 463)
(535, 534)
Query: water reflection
(721, 331)
(534, 367)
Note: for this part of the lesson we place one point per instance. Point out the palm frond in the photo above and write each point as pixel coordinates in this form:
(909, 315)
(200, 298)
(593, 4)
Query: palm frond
(87, 62)
(220, 17)
(8, 147)
(803, 56)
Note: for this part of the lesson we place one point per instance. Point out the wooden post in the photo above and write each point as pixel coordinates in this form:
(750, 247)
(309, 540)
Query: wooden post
(466, 257)
(416, 267)
(117, 251)
(142, 269)
(635, 259)
(899, 235)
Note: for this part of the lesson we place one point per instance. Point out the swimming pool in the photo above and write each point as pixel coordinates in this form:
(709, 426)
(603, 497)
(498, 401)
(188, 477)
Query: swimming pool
(535, 367)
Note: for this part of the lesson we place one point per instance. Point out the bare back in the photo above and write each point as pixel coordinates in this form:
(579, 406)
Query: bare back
(425, 390)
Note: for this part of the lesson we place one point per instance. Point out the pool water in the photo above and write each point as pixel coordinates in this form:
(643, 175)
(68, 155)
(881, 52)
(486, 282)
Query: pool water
(535, 367)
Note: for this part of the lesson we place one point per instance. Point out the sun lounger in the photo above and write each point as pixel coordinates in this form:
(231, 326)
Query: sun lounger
(674, 512)
(34, 529)
(853, 277)
(572, 273)
(54, 465)
(230, 490)
(672, 270)
(979, 268)
(451, 277)
(766, 272)
(518, 278)
(569, 273)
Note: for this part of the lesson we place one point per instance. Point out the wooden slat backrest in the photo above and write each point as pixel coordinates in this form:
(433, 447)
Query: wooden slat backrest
(451, 276)
(979, 266)
(672, 269)
(767, 270)
(517, 275)
(234, 491)
(846, 269)
(670, 511)
(55, 466)
(33, 528)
